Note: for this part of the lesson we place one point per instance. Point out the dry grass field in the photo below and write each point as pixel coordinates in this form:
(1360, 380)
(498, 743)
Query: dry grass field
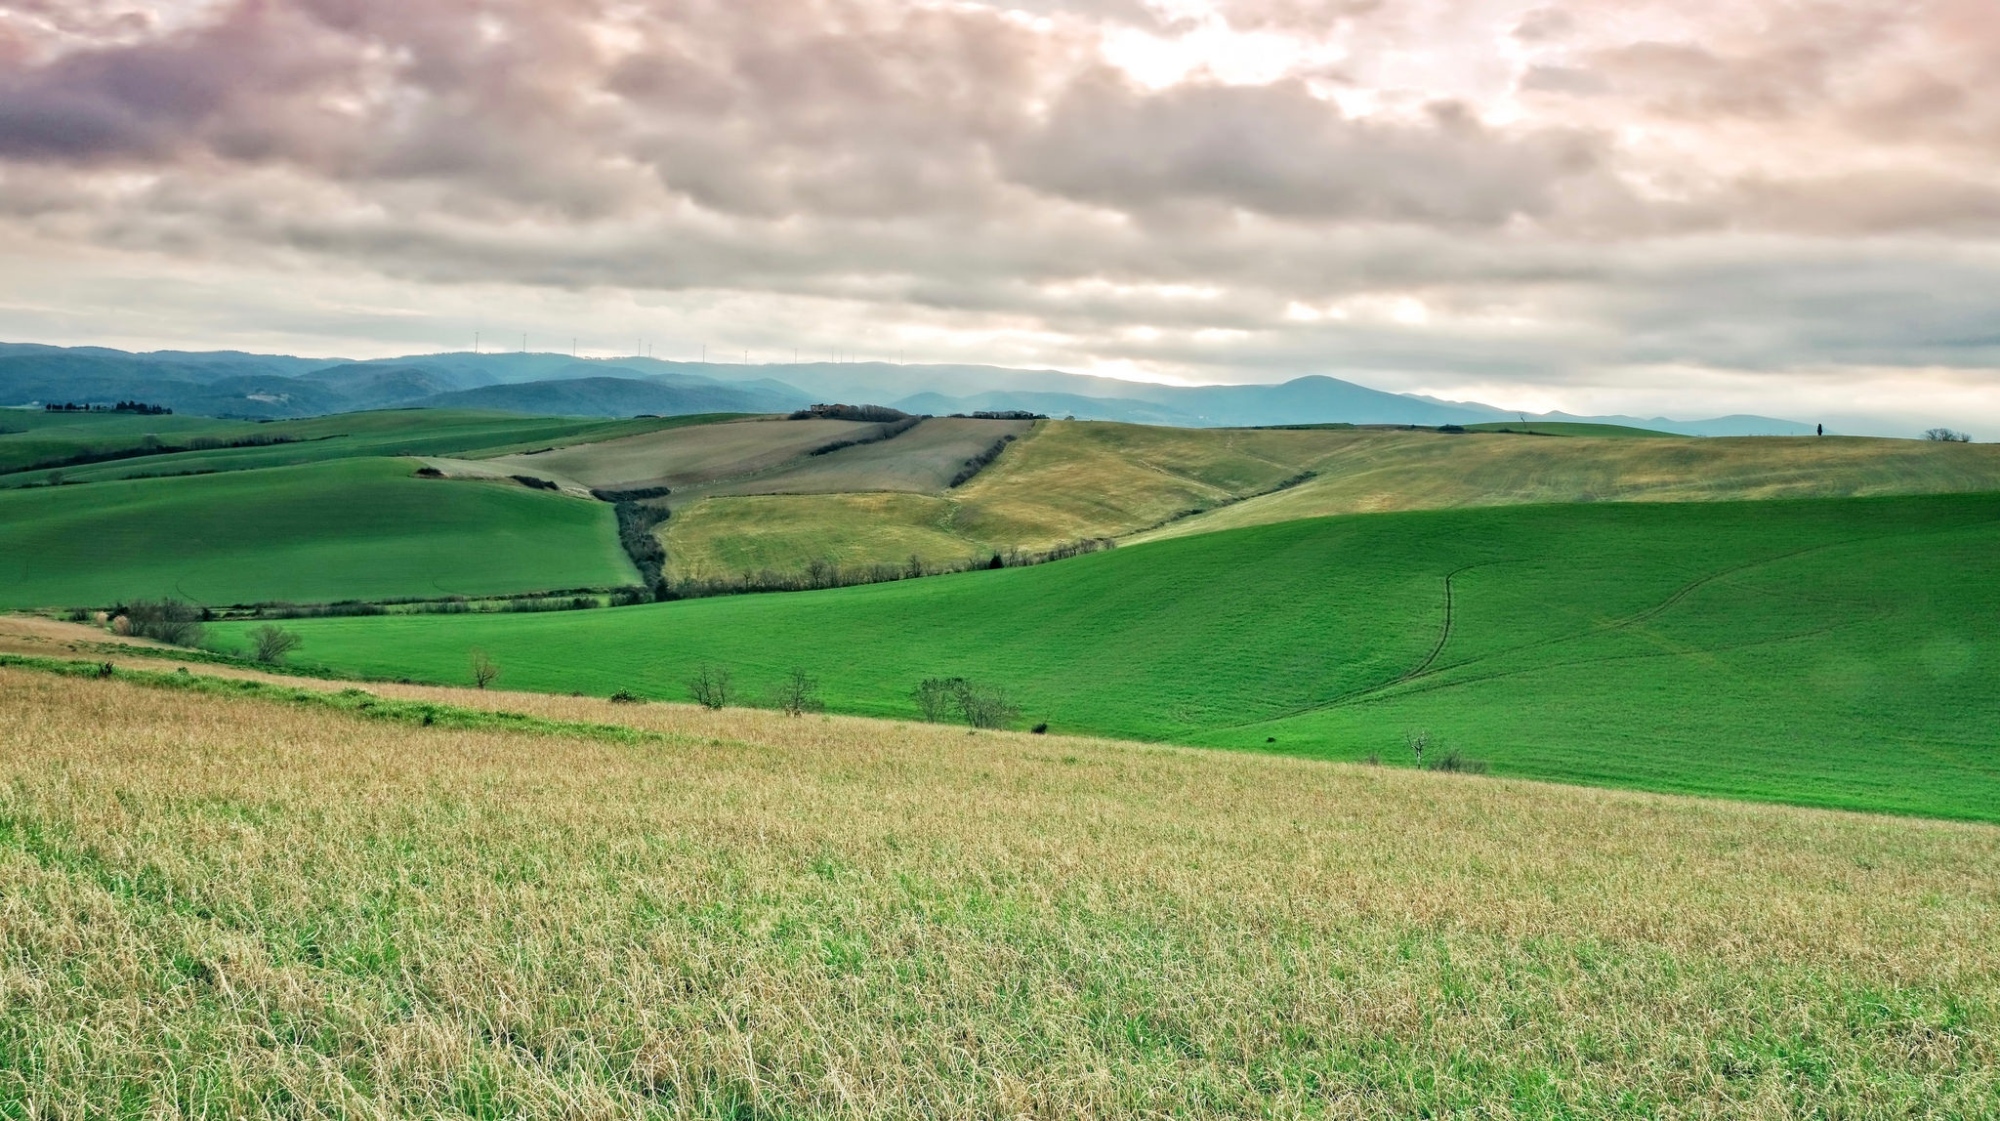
(1366, 472)
(686, 456)
(215, 905)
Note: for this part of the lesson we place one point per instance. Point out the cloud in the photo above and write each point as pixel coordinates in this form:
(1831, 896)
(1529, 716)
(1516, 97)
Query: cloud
(1565, 192)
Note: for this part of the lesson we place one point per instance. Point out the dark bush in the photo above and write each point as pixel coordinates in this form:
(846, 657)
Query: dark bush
(1457, 762)
(1041, 729)
(165, 620)
(534, 483)
(429, 473)
(270, 643)
(636, 494)
(624, 697)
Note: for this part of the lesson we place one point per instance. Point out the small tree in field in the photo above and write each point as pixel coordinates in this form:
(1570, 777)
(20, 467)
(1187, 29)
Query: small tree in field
(709, 686)
(270, 643)
(935, 696)
(985, 706)
(798, 694)
(1947, 436)
(1418, 741)
(484, 669)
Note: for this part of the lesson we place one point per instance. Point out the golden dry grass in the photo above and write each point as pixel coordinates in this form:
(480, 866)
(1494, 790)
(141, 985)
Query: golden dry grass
(213, 906)
(1366, 472)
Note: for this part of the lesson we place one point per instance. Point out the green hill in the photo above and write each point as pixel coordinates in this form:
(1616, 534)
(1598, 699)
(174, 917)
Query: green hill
(1831, 652)
(28, 438)
(1069, 481)
(354, 528)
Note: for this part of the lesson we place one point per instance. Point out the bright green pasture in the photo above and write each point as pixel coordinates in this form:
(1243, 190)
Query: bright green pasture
(390, 432)
(354, 528)
(1828, 652)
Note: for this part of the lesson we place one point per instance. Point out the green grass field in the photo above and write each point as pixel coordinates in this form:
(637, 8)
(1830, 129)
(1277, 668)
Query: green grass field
(392, 432)
(354, 528)
(1832, 652)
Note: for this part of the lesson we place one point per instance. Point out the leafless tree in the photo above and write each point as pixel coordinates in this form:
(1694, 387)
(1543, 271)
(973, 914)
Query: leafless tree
(798, 694)
(270, 643)
(936, 696)
(709, 686)
(484, 669)
(1947, 436)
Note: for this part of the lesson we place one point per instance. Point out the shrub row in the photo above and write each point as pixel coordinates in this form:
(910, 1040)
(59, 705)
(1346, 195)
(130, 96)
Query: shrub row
(886, 432)
(979, 462)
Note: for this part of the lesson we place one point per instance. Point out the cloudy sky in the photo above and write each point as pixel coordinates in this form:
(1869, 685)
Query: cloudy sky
(1678, 206)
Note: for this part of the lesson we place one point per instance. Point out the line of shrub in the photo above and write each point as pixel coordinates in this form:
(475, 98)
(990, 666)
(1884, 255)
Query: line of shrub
(979, 462)
(886, 432)
(820, 573)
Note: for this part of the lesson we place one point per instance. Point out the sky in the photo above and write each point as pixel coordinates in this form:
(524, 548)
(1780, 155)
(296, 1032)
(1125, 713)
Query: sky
(1678, 207)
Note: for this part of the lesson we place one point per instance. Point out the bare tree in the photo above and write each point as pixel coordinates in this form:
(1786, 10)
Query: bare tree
(983, 706)
(798, 694)
(1947, 436)
(820, 573)
(270, 643)
(936, 696)
(1418, 741)
(165, 620)
(709, 686)
(484, 669)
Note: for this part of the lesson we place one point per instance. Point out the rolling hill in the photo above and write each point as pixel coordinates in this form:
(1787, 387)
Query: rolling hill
(1823, 652)
(1076, 481)
(128, 446)
(613, 397)
(348, 529)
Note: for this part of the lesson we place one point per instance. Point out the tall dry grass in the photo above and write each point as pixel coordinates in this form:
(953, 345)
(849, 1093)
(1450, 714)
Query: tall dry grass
(224, 907)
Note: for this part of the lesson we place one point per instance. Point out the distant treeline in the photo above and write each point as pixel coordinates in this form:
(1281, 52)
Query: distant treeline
(139, 407)
(820, 573)
(873, 414)
(1001, 414)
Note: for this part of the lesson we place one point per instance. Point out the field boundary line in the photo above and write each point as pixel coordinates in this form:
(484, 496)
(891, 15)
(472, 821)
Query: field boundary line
(355, 701)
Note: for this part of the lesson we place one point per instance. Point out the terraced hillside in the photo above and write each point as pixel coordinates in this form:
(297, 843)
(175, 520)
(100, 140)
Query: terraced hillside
(1829, 652)
(360, 528)
(234, 903)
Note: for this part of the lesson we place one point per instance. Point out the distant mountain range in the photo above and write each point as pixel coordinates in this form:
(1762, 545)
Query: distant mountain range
(235, 384)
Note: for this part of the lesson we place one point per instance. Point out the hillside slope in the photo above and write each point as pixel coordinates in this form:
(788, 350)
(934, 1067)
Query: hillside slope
(350, 529)
(1824, 652)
